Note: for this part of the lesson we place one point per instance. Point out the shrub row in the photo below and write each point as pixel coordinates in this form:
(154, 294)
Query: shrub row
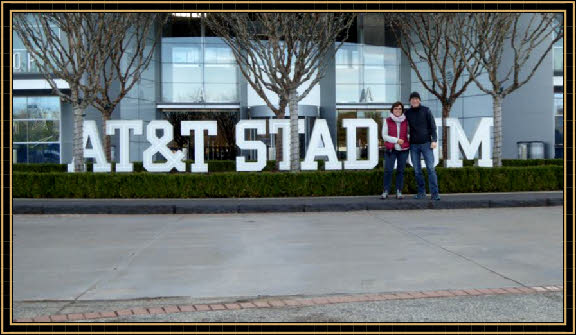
(279, 184)
(230, 166)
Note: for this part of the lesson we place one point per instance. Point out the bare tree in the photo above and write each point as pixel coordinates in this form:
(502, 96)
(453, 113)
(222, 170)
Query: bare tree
(529, 37)
(281, 52)
(125, 63)
(72, 47)
(431, 38)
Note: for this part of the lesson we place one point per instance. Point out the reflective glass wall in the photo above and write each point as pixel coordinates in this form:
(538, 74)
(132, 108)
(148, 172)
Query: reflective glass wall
(368, 65)
(197, 67)
(36, 129)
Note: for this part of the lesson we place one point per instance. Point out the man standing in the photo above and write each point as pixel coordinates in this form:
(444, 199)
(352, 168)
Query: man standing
(423, 140)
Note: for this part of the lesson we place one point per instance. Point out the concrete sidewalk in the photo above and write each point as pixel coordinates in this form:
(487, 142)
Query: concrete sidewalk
(144, 266)
(95, 257)
(267, 205)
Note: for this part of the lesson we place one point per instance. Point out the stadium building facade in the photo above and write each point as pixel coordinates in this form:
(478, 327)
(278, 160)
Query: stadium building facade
(194, 71)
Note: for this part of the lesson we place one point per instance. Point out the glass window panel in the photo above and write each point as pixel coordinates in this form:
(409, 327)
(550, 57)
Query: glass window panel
(186, 54)
(559, 131)
(214, 40)
(373, 55)
(559, 152)
(43, 131)
(392, 56)
(19, 60)
(20, 131)
(147, 90)
(348, 54)
(347, 74)
(374, 74)
(19, 110)
(221, 93)
(559, 104)
(149, 73)
(44, 153)
(558, 60)
(182, 73)
(21, 153)
(218, 54)
(47, 108)
(347, 93)
(383, 93)
(181, 53)
(220, 73)
(182, 92)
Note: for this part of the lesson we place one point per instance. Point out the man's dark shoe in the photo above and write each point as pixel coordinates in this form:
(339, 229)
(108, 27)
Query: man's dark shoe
(420, 196)
(435, 197)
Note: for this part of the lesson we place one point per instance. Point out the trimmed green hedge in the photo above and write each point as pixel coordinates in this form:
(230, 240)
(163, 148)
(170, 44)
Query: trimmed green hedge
(532, 162)
(230, 166)
(277, 184)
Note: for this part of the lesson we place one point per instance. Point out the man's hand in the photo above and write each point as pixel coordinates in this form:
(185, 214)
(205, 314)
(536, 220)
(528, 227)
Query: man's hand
(433, 145)
(400, 141)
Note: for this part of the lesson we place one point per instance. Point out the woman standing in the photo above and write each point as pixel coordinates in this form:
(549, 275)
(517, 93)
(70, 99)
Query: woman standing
(395, 133)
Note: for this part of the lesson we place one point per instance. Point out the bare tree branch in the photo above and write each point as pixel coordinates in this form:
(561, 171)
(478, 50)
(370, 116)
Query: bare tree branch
(281, 52)
(531, 39)
(432, 39)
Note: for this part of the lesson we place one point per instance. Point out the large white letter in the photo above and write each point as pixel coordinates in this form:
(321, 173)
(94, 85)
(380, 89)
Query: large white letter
(284, 124)
(100, 164)
(352, 162)
(124, 126)
(321, 134)
(481, 137)
(198, 127)
(158, 144)
(259, 146)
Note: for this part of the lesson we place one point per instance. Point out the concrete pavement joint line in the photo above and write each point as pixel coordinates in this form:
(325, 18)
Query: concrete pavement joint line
(126, 261)
(448, 250)
(273, 302)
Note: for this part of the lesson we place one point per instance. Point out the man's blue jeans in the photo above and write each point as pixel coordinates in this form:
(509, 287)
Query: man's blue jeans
(428, 154)
(391, 156)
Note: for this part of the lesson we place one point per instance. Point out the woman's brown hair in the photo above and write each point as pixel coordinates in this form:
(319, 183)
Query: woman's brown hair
(397, 103)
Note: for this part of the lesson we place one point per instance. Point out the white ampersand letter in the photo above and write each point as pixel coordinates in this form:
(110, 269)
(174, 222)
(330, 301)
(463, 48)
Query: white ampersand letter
(159, 144)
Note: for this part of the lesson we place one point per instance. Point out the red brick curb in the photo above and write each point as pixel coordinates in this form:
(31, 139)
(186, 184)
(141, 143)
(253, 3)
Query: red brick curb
(291, 302)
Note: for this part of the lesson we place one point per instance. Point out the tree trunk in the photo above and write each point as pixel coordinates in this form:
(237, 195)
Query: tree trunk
(497, 149)
(294, 135)
(78, 139)
(279, 143)
(107, 145)
(445, 114)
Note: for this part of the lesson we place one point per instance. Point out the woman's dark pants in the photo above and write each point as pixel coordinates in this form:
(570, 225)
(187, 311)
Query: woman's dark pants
(390, 157)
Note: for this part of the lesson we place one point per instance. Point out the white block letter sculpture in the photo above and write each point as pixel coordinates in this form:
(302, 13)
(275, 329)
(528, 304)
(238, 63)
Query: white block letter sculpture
(321, 135)
(97, 152)
(481, 137)
(124, 127)
(159, 144)
(274, 125)
(259, 146)
(198, 127)
(352, 162)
